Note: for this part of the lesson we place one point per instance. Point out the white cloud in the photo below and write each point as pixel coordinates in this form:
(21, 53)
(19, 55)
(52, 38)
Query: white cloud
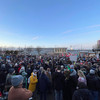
(91, 32)
(6, 33)
(77, 29)
(35, 38)
(93, 26)
(68, 31)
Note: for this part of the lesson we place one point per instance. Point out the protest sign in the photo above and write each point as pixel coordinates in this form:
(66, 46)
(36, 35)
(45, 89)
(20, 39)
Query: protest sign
(73, 58)
(97, 55)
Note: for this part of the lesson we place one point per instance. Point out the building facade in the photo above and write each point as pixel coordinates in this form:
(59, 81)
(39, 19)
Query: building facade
(60, 50)
(98, 44)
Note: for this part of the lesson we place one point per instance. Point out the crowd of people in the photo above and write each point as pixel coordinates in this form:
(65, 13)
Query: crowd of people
(26, 77)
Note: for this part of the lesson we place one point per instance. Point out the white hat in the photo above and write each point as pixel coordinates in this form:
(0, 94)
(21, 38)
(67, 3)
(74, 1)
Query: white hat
(16, 64)
(22, 69)
(71, 66)
(92, 71)
(62, 66)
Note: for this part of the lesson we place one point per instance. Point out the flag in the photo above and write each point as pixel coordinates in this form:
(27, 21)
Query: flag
(66, 55)
(62, 54)
(69, 54)
(68, 67)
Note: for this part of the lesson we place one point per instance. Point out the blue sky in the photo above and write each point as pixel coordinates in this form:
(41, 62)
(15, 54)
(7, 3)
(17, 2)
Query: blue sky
(49, 23)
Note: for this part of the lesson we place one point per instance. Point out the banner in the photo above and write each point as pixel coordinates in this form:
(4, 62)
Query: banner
(73, 58)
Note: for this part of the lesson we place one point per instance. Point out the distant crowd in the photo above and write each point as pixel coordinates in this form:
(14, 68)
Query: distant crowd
(27, 77)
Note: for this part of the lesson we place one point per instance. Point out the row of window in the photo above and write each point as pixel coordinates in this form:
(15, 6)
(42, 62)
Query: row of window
(60, 49)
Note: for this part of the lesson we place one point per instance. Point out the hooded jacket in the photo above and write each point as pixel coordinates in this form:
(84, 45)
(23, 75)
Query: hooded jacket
(32, 82)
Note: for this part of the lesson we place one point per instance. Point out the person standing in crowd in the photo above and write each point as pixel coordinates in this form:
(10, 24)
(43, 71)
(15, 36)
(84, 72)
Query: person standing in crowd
(62, 69)
(3, 75)
(99, 70)
(28, 71)
(24, 74)
(32, 83)
(58, 83)
(65, 85)
(16, 92)
(16, 68)
(66, 89)
(82, 93)
(43, 84)
(73, 78)
(48, 74)
(82, 77)
(93, 84)
(8, 78)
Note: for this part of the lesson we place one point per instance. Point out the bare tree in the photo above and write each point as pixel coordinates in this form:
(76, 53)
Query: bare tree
(38, 49)
(20, 51)
(29, 50)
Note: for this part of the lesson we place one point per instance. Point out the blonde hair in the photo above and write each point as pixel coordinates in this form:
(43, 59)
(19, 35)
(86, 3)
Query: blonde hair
(81, 74)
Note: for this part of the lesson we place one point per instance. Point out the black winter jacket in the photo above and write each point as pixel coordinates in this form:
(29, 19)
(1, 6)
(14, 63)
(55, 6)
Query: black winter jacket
(58, 81)
(93, 82)
(82, 94)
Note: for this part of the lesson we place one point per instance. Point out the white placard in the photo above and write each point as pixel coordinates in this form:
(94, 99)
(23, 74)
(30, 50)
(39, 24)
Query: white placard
(97, 55)
(73, 58)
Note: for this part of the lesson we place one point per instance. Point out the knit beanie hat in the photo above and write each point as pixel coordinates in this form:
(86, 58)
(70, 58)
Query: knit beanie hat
(22, 69)
(11, 70)
(92, 71)
(16, 80)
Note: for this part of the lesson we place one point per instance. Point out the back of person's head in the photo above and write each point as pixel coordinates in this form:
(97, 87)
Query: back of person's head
(71, 66)
(48, 69)
(94, 67)
(22, 69)
(41, 68)
(92, 72)
(62, 66)
(58, 68)
(67, 74)
(34, 70)
(81, 74)
(82, 85)
(11, 71)
(3, 67)
(17, 80)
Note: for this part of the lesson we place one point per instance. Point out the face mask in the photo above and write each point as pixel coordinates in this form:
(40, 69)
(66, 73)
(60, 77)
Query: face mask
(34, 74)
(71, 70)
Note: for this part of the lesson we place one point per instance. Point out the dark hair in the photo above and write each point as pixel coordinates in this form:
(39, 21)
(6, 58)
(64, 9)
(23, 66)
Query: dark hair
(15, 86)
(58, 67)
(66, 74)
(82, 85)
